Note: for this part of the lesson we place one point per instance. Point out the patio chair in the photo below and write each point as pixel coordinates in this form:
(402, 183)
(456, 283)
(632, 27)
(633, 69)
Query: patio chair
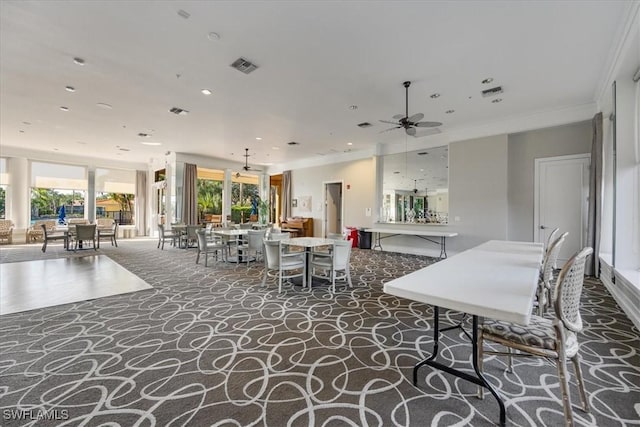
(6, 230)
(255, 239)
(283, 265)
(107, 229)
(555, 338)
(49, 236)
(164, 235)
(546, 274)
(35, 232)
(332, 265)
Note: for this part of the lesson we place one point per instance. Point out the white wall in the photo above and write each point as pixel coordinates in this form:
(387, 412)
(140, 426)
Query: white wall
(358, 191)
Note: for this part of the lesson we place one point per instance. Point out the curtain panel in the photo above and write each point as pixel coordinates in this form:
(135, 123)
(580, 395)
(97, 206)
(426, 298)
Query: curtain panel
(286, 195)
(190, 194)
(594, 219)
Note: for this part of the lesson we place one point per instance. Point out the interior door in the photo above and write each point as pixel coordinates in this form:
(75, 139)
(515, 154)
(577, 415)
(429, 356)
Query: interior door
(333, 208)
(561, 200)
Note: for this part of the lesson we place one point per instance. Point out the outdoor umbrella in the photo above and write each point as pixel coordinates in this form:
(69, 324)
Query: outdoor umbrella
(61, 215)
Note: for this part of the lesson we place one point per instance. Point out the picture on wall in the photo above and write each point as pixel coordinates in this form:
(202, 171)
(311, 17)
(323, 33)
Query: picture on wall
(305, 203)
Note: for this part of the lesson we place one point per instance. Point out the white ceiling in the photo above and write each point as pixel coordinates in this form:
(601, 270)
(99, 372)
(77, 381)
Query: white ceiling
(315, 60)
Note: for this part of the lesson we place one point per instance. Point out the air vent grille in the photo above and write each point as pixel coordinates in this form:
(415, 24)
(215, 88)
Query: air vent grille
(491, 92)
(364, 125)
(293, 143)
(244, 65)
(179, 111)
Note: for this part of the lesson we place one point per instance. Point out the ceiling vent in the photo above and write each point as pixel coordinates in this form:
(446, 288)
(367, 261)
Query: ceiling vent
(178, 111)
(143, 135)
(184, 14)
(491, 92)
(244, 65)
(293, 143)
(364, 125)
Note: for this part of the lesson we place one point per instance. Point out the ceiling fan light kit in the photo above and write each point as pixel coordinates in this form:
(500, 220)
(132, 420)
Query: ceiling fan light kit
(409, 124)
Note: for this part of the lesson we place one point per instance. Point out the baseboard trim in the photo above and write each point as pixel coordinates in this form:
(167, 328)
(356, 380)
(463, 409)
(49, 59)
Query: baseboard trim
(625, 293)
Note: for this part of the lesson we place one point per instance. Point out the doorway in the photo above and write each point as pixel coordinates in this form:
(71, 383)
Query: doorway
(561, 200)
(332, 208)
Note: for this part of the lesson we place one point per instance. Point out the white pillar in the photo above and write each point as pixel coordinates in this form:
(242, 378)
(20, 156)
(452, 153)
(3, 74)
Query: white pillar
(90, 198)
(226, 197)
(18, 194)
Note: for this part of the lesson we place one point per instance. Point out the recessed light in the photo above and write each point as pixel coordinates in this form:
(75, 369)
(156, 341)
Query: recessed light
(487, 80)
(421, 170)
(206, 92)
(495, 101)
(275, 148)
(70, 89)
(63, 108)
(349, 143)
(151, 143)
(450, 111)
(105, 106)
(434, 95)
(353, 107)
(78, 60)
(258, 138)
(213, 36)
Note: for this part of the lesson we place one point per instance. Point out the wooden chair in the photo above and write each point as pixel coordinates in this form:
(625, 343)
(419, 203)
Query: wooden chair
(6, 230)
(555, 338)
(52, 236)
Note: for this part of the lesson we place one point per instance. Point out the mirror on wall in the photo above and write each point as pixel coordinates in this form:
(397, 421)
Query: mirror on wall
(415, 187)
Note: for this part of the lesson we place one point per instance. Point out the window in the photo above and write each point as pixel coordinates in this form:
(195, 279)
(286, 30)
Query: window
(244, 197)
(54, 187)
(210, 184)
(115, 195)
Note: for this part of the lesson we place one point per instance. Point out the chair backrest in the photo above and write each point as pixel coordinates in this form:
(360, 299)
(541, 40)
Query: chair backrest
(272, 253)
(551, 238)
(105, 222)
(76, 221)
(191, 231)
(161, 229)
(279, 236)
(341, 253)
(255, 238)
(335, 236)
(209, 227)
(246, 226)
(6, 224)
(44, 230)
(568, 289)
(50, 224)
(550, 258)
(85, 231)
(202, 239)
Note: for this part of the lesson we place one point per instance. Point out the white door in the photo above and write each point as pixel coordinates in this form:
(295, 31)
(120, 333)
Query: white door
(561, 200)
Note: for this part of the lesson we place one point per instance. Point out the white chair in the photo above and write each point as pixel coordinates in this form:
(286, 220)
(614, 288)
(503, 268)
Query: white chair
(546, 274)
(336, 236)
(279, 236)
(285, 265)
(332, 265)
(51, 236)
(208, 246)
(255, 239)
(555, 338)
(107, 228)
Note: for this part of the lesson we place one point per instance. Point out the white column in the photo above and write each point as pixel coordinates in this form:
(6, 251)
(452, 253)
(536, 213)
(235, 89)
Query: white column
(18, 195)
(226, 197)
(90, 198)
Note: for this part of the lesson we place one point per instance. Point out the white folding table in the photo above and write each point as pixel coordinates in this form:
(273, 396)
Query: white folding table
(423, 234)
(496, 279)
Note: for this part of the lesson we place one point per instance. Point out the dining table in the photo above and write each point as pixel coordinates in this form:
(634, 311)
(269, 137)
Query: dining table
(497, 280)
(236, 235)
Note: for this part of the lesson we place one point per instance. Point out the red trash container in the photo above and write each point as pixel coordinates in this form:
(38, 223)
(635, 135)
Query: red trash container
(352, 234)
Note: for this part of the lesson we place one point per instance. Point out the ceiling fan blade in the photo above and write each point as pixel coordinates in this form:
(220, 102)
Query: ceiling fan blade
(426, 132)
(387, 121)
(387, 130)
(428, 124)
(411, 131)
(416, 117)
(398, 116)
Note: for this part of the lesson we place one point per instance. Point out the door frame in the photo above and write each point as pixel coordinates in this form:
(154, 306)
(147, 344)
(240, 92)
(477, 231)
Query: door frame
(324, 201)
(536, 192)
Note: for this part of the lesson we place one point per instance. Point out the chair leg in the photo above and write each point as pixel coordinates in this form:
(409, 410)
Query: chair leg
(583, 395)
(280, 281)
(44, 246)
(266, 272)
(562, 377)
(480, 361)
(333, 280)
(510, 360)
(159, 240)
(206, 259)
(198, 257)
(348, 272)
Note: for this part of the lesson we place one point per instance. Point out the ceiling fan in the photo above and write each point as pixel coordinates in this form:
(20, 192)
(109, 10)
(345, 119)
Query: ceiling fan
(410, 123)
(246, 166)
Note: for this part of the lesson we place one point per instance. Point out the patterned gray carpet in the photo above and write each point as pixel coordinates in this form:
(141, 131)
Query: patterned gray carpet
(210, 346)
